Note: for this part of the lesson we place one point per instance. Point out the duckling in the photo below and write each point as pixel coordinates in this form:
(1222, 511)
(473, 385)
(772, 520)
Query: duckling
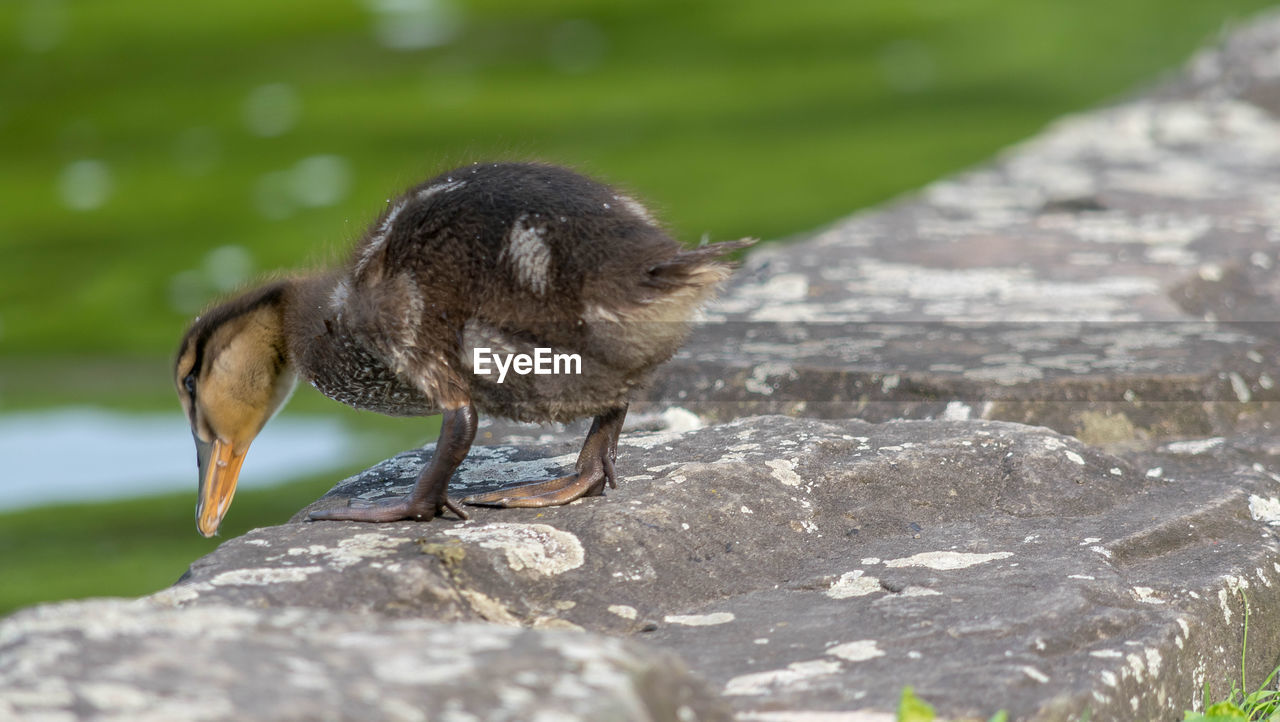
(492, 261)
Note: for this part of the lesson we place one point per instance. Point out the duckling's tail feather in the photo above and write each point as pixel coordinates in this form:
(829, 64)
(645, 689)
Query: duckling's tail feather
(696, 267)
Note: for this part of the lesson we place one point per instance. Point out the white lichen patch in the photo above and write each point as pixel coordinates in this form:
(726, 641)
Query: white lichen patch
(761, 376)
(1035, 674)
(794, 676)
(407, 668)
(783, 471)
(1073, 457)
(1182, 624)
(103, 620)
(489, 609)
(956, 411)
(678, 421)
(115, 696)
(946, 561)
(1005, 374)
(858, 651)
(179, 594)
(1235, 584)
(264, 575)
(1106, 653)
(37, 692)
(1146, 595)
(304, 673)
(1194, 446)
(1264, 510)
(536, 547)
(623, 610)
(804, 525)
(780, 288)
(914, 591)
(1154, 660)
(853, 584)
(699, 620)
(352, 550)
(649, 440)
(1137, 667)
(1240, 387)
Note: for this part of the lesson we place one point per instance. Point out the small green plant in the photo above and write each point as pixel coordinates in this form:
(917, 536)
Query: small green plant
(1261, 705)
(913, 709)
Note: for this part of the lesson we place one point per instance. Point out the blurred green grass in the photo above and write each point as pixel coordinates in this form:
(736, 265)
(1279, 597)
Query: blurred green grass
(122, 548)
(135, 187)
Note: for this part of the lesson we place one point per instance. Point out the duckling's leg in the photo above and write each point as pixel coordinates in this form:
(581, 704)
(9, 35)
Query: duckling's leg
(430, 493)
(594, 470)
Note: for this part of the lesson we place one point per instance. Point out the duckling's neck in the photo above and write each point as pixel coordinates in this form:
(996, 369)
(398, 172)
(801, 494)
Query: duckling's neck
(306, 309)
(326, 351)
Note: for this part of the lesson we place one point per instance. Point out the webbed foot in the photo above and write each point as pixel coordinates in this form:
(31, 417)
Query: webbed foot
(428, 498)
(595, 469)
(385, 510)
(551, 492)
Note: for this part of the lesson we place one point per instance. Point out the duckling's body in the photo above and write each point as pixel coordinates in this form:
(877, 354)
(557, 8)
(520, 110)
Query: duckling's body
(506, 257)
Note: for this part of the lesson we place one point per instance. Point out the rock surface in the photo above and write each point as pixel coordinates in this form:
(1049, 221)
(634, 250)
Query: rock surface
(110, 659)
(797, 565)
(1112, 280)
(801, 565)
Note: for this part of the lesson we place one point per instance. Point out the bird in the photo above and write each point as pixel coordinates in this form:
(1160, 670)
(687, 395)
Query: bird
(529, 263)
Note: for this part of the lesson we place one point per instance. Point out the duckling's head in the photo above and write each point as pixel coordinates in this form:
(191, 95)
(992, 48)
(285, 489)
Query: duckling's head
(232, 374)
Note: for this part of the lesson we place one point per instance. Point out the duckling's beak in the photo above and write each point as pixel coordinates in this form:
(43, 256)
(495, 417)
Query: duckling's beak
(219, 463)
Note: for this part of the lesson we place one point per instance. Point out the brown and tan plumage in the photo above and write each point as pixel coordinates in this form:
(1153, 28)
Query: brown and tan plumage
(506, 256)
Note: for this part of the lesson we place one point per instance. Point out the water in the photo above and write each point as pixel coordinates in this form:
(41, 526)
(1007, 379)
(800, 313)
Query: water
(85, 454)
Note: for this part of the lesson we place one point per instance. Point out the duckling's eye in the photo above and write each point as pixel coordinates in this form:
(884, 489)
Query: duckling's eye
(189, 383)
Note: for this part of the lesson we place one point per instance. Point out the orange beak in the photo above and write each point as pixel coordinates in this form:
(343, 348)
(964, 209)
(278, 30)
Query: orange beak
(219, 464)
